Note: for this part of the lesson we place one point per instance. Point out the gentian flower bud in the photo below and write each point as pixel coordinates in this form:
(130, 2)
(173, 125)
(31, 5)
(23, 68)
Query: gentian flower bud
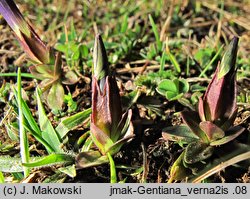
(30, 41)
(219, 102)
(108, 124)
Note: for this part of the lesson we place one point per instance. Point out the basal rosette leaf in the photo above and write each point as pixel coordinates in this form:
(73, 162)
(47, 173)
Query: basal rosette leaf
(180, 133)
(230, 135)
(212, 131)
(197, 152)
(192, 120)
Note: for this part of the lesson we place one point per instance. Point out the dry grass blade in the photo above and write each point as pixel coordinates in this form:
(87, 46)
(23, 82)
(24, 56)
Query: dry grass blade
(241, 21)
(221, 166)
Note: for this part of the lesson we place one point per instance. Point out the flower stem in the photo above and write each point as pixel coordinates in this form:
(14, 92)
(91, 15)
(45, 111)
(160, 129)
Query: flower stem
(113, 177)
(24, 145)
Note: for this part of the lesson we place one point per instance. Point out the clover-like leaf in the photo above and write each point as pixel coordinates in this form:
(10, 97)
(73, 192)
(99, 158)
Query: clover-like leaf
(197, 151)
(172, 89)
(181, 85)
(166, 85)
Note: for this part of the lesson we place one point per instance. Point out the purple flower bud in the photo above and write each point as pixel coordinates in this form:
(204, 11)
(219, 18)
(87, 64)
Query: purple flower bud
(219, 101)
(30, 41)
(109, 126)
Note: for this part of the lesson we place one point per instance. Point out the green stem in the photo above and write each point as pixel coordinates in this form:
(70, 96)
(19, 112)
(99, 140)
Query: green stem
(113, 177)
(24, 146)
(163, 61)
(27, 75)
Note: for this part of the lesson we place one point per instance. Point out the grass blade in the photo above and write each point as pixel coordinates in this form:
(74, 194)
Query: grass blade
(156, 33)
(39, 138)
(211, 62)
(220, 166)
(163, 61)
(31, 125)
(27, 75)
(51, 159)
(49, 133)
(237, 153)
(71, 122)
(24, 145)
(173, 61)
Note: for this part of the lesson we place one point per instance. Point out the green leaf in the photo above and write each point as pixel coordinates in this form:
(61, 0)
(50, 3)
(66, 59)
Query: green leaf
(179, 133)
(197, 151)
(178, 171)
(49, 133)
(42, 71)
(31, 125)
(52, 159)
(231, 134)
(212, 131)
(183, 86)
(166, 85)
(156, 33)
(10, 164)
(229, 58)
(124, 24)
(12, 130)
(2, 180)
(192, 119)
(173, 96)
(70, 78)
(90, 159)
(24, 143)
(69, 170)
(172, 89)
(73, 35)
(69, 123)
(84, 50)
(55, 97)
(87, 144)
(61, 47)
(76, 55)
(174, 61)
